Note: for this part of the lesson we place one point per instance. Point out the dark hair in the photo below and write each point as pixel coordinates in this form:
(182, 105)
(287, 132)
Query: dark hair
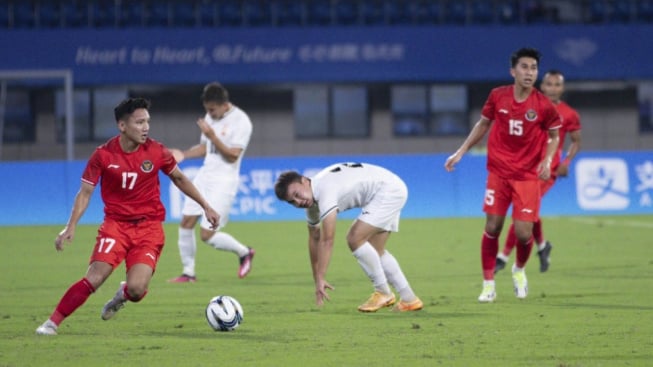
(215, 92)
(128, 106)
(554, 72)
(284, 180)
(524, 52)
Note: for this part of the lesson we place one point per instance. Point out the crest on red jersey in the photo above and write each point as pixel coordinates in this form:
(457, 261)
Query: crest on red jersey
(531, 115)
(147, 166)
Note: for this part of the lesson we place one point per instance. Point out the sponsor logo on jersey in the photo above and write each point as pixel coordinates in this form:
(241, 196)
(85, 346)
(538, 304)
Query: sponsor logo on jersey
(531, 115)
(503, 111)
(113, 166)
(147, 166)
(602, 184)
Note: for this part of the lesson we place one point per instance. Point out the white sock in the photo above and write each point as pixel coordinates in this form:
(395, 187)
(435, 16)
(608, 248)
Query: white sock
(502, 257)
(488, 282)
(396, 277)
(515, 269)
(369, 260)
(541, 246)
(226, 242)
(187, 249)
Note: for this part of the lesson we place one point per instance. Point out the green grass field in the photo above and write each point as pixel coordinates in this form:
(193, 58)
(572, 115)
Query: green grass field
(593, 308)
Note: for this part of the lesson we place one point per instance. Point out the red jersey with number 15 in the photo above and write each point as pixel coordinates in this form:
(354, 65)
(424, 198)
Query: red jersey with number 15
(518, 131)
(130, 181)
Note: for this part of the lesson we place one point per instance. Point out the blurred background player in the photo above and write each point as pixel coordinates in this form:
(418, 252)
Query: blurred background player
(553, 86)
(226, 131)
(381, 195)
(127, 167)
(519, 117)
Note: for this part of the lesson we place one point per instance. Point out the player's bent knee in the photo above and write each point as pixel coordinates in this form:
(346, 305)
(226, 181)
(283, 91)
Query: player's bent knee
(523, 237)
(136, 294)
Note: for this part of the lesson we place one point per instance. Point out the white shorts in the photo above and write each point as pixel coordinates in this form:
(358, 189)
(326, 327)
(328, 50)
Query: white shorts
(385, 208)
(218, 194)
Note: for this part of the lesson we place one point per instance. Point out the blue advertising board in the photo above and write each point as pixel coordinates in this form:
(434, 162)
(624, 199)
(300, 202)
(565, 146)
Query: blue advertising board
(38, 193)
(340, 54)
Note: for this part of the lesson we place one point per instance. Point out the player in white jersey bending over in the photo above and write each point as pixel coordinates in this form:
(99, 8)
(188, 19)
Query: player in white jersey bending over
(381, 195)
(226, 130)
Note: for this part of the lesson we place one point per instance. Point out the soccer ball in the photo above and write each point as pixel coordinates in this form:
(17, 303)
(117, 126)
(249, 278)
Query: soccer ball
(224, 313)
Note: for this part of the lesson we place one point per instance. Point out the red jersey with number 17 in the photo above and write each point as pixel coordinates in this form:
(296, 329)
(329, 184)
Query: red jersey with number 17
(518, 131)
(130, 181)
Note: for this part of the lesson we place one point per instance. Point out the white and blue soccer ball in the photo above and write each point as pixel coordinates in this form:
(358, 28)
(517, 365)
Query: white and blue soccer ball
(224, 313)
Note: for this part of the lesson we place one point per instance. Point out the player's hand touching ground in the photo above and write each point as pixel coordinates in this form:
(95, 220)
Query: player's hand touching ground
(321, 294)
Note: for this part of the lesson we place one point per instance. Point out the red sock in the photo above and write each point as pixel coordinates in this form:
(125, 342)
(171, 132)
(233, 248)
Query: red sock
(537, 231)
(74, 297)
(511, 241)
(489, 249)
(523, 253)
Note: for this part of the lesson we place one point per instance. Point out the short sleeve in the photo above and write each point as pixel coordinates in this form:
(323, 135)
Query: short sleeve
(489, 107)
(93, 170)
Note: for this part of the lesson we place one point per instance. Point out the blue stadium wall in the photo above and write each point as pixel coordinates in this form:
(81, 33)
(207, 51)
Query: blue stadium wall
(600, 183)
(344, 54)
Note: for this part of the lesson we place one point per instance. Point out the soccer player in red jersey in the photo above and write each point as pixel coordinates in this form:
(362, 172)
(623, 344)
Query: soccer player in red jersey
(553, 86)
(520, 120)
(127, 166)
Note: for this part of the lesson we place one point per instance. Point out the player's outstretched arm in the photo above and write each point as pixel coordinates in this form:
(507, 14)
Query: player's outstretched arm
(480, 129)
(82, 199)
(574, 148)
(324, 249)
(544, 168)
(195, 151)
(177, 154)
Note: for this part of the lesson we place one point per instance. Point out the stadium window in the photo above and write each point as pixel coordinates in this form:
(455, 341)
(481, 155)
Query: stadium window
(448, 110)
(409, 109)
(322, 111)
(82, 113)
(19, 124)
(350, 111)
(311, 111)
(419, 110)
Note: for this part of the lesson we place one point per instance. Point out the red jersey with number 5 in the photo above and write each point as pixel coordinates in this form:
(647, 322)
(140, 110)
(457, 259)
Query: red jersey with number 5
(130, 181)
(518, 131)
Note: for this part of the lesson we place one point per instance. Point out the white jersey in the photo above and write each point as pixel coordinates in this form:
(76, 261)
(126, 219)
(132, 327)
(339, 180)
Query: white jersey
(234, 129)
(217, 179)
(343, 186)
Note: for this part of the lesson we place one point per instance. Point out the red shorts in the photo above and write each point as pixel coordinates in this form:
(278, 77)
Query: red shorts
(546, 185)
(135, 242)
(523, 195)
